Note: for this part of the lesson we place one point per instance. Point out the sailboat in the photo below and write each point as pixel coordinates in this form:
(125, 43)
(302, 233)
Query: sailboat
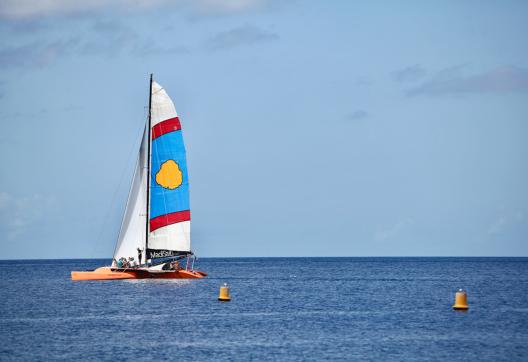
(156, 226)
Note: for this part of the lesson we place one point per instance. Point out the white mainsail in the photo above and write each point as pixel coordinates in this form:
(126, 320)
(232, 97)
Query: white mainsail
(132, 233)
(169, 215)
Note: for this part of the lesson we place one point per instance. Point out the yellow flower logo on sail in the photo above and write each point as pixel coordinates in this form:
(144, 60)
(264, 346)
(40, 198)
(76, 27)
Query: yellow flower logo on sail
(169, 175)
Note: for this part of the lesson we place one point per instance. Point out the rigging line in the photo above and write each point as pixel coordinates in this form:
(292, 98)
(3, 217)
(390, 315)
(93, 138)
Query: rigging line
(109, 209)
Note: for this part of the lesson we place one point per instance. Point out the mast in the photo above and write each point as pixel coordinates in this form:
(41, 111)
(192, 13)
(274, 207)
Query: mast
(148, 167)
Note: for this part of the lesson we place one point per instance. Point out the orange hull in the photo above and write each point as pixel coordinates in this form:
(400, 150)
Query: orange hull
(106, 273)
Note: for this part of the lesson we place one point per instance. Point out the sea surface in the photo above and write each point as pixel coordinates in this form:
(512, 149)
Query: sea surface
(312, 309)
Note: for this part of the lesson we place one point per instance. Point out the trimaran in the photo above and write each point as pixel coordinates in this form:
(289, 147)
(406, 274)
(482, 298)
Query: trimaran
(156, 225)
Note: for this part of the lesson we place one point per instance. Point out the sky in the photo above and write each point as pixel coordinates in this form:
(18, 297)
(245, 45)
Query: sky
(313, 128)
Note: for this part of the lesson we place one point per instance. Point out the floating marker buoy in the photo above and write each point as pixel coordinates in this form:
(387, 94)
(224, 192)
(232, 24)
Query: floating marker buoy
(460, 300)
(224, 293)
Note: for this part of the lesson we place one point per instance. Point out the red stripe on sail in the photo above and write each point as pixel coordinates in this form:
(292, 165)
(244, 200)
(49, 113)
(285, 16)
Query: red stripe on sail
(169, 125)
(169, 219)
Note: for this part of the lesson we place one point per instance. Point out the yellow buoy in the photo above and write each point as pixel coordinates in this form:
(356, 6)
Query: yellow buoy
(224, 293)
(460, 300)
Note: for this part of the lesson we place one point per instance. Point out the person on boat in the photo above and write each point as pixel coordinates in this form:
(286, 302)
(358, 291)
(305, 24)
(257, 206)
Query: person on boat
(120, 263)
(139, 255)
(176, 265)
(132, 262)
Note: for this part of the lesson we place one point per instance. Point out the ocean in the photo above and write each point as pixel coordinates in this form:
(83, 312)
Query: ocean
(309, 309)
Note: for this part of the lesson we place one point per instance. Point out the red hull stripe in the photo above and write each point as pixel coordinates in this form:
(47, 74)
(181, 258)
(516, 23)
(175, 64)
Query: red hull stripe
(169, 125)
(168, 219)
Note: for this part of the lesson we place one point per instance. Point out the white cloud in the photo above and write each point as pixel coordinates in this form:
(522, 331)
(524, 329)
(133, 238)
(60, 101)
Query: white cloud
(25, 9)
(35, 54)
(409, 74)
(450, 81)
(244, 35)
(393, 230)
(504, 222)
(357, 115)
(18, 214)
(228, 6)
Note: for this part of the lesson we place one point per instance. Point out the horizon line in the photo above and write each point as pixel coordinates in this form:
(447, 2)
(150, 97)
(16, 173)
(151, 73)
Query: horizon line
(294, 257)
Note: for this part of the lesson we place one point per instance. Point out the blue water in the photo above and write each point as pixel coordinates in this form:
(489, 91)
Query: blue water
(281, 309)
